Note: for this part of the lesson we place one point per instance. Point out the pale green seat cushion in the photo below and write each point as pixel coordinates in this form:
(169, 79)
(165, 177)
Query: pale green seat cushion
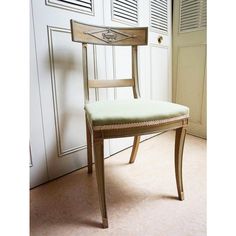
(132, 111)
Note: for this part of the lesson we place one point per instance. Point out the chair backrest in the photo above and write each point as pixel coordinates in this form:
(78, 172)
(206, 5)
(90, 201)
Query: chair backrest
(109, 36)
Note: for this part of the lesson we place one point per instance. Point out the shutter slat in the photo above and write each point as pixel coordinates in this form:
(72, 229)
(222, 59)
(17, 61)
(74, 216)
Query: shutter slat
(190, 24)
(159, 6)
(159, 20)
(159, 26)
(127, 3)
(190, 19)
(163, 2)
(125, 10)
(158, 14)
(187, 14)
(190, 4)
(126, 16)
(158, 9)
(121, 8)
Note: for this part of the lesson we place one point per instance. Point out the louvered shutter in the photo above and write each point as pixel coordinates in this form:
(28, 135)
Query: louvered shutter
(74, 5)
(192, 15)
(159, 15)
(125, 11)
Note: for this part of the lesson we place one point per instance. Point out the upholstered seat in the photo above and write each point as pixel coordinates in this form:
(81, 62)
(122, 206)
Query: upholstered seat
(131, 111)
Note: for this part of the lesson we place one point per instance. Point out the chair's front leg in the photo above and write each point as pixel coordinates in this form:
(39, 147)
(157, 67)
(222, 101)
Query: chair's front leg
(99, 165)
(179, 146)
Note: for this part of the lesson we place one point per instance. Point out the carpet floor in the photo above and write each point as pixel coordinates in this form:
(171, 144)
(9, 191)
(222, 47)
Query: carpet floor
(141, 197)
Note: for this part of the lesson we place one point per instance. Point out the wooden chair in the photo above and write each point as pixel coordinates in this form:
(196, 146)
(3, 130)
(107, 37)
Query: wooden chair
(118, 118)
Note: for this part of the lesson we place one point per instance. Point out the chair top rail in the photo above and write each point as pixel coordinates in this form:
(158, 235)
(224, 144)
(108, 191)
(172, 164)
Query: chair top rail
(106, 35)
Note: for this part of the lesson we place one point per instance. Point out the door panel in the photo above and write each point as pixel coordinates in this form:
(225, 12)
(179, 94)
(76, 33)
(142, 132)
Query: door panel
(159, 73)
(65, 69)
(191, 77)
(189, 61)
(122, 66)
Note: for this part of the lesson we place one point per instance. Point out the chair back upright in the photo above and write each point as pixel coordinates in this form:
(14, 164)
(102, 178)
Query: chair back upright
(109, 36)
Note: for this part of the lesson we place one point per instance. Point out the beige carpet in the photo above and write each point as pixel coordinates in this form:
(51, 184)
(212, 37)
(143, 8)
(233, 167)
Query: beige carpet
(141, 197)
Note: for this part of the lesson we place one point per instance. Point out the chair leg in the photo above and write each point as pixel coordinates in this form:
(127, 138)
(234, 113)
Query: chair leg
(179, 146)
(89, 150)
(99, 165)
(135, 149)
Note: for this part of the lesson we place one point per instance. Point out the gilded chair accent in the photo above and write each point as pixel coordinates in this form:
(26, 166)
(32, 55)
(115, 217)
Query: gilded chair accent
(124, 118)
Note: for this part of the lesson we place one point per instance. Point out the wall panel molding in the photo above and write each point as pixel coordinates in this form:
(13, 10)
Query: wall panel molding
(60, 151)
(152, 45)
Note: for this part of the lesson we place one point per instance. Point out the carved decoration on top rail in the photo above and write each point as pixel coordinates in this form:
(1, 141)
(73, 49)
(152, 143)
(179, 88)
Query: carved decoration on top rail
(109, 35)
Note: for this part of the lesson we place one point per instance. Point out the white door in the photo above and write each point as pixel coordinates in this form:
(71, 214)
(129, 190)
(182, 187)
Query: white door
(189, 61)
(59, 65)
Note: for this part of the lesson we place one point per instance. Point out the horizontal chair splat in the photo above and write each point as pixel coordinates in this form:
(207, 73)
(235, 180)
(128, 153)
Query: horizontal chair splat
(110, 83)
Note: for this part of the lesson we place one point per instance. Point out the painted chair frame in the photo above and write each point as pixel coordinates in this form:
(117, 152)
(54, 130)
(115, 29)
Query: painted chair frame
(90, 34)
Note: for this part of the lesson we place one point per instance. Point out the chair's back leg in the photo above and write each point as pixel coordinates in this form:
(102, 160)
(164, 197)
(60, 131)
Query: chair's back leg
(136, 94)
(89, 149)
(134, 149)
(99, 165)
(179, 146)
